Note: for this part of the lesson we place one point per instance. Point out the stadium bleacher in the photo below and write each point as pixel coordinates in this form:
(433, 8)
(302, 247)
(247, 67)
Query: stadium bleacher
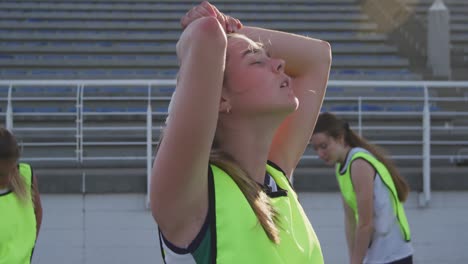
(100, 129)
(121, 39)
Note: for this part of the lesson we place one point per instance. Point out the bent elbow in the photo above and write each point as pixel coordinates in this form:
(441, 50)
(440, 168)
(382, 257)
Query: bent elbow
(326, 51)
(207, 29)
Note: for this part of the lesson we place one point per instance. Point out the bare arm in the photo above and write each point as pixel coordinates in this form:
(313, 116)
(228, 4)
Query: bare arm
(179, 192)
(350, 227)
(37, 205)
(308, 63)
(362, 175)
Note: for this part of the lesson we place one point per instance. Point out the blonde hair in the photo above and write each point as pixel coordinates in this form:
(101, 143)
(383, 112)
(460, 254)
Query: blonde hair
(257, 198)
(9, 151)
(261, 204)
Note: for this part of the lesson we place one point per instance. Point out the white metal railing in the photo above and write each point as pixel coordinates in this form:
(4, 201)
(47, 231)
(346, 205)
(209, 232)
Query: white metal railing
(81, 144)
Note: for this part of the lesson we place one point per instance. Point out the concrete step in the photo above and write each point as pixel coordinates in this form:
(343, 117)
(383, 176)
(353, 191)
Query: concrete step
(175, 25)
(133, 180)
(316, 6)
(442, 178)
(159, 16)
(118, 36)
(154, 48)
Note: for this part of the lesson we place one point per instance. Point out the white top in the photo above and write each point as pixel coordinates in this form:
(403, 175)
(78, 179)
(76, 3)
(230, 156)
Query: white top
(4, 190)
(388, 243)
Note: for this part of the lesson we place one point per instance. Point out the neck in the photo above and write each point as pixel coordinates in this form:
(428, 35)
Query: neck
(344, 154)
(248, 142)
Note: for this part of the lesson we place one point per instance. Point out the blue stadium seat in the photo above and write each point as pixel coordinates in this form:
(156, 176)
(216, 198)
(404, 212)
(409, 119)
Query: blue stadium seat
(121, 72)
(434, 108)
(161, 109)
(44, 72)
(105, 44)
(52, 57)
(335, 89)
(139, 90)
(102, 57)
(168, 73)
(6, 57)
(59, 89)
(15, 72)
(110, 109)
(412, 89)
(23, 109)
(370, 107)
(90, 90)
(136, 109)
(48, 109)
(387, 89)
(112, 90)
(404, 108)
(151, 72)
(349, 72)
(165, 89)
(77, 57)
(94, 72)
(343, 108)
(29, 89)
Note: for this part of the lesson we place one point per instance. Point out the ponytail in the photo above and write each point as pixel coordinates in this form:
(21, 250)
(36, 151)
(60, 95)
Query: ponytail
(354, 140)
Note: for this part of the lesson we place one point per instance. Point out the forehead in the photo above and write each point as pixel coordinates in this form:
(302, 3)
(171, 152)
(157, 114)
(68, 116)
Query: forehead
(239, 43)
(319, 138)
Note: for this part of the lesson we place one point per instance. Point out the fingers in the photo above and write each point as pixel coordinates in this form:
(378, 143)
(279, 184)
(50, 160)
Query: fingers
(202, 11)
(233, 24)
(209, 8)
(206, 9)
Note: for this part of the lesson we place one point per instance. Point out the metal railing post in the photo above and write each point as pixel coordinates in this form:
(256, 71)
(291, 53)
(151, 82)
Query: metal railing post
(9, 111)
(149, 146)
(78, 123)
(426, 195)
(360, 115)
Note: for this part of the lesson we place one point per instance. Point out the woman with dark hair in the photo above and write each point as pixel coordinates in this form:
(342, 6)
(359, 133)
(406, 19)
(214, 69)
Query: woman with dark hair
(373, 193)
(20, 204)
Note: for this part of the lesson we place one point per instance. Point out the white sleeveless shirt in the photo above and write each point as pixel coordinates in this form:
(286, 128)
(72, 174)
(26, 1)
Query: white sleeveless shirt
(388, 243)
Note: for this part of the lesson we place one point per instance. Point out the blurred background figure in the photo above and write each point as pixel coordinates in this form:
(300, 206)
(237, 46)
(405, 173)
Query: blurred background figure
(20, 204)
(373, 191)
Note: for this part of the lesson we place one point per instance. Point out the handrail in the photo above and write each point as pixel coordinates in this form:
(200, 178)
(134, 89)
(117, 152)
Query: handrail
(358, 101)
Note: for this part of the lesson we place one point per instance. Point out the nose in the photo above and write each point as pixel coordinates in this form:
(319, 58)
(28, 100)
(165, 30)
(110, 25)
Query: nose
(321, 153)
(278, 65)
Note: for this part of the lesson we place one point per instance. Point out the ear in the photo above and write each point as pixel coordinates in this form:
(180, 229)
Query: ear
(341, 140)
(224, 104)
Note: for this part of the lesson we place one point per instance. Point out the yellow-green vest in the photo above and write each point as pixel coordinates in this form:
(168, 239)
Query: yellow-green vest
(17, 224)
(349, 195)
(239, 236)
